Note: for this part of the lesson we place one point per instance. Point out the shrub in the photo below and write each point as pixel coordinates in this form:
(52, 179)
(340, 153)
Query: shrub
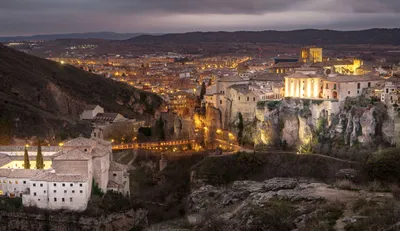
(345, 185)
(384, 166)
(273, 105)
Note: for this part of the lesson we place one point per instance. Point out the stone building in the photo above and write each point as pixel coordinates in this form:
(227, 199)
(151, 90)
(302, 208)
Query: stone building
(67, 184)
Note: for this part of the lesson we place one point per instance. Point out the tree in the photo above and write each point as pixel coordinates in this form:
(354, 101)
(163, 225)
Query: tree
(240, 127)
(27, 165)
(39, 157)
(202, 91)
(160, 128)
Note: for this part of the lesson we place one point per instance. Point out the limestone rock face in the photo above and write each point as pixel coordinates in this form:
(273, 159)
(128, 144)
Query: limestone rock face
(290, 131)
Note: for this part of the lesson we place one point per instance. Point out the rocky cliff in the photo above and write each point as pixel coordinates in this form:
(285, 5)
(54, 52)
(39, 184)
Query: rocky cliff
(42, 97)
(307, 125)
(63, 221)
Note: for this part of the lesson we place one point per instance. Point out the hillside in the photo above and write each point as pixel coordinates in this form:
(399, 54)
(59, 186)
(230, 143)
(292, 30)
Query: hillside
(42, 97)
(321, 37)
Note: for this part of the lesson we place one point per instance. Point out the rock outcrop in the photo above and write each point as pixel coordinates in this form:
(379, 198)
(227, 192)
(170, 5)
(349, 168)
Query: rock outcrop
(64, 221)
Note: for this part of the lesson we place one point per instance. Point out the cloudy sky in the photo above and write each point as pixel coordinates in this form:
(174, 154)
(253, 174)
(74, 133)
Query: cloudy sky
(27, 17)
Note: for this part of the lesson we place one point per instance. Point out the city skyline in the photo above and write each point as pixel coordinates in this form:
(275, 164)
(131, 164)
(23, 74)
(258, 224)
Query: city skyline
(29, 17)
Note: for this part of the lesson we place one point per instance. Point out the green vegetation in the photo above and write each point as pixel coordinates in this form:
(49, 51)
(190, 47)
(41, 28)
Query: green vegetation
(27, 165)
(272, 105)
(10, 204)
(317, 102)
(39, 157)
(96, 190)
(384, 166)
(240, 128)
(376, 216)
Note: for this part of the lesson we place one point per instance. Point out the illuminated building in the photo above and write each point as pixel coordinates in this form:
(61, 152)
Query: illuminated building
(311, 54)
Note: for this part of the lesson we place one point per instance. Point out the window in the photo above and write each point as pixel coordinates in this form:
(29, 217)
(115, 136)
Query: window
(65, 191)
(348, 92)
(63, 185)
(334, 86)
(327, 86)
(24, 182)
(55, 191)
(41, 185)
(114, 174)
(239, 98)
(16, 182)
(70, 199)
(387, 90)
(62, 199)
(44, 191)
(55, 199)
(34, 194)
(81, 191)
(369, 84)
(9, 182)
(73, 191)
(254, 98)
(71, 185)
(220, 102)
(85, 149)
(248, 98)
(358, 85)
(38, 199)
(55, 184)
(80, 185)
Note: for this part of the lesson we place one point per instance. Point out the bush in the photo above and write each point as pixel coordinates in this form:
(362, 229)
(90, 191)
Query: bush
(384, 166)
(273, 105)
(345, 185)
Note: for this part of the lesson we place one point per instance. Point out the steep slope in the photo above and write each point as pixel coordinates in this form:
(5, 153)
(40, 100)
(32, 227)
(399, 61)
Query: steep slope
(372, 36)
(42, 97)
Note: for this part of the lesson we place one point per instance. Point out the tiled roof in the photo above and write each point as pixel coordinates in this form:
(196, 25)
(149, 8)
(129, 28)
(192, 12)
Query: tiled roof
(99, 152)
(234, 78)
(30, 149)
(74, 154)
(114, 166)
(300, 75)
(354, 78)
(105, 117)
(113, 184)
(265, 76)
(24, 173)
(80, 142)
(4, 172)
(53, 177)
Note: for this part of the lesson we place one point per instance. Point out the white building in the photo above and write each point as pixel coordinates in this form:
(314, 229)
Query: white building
(67, 184)
(91, 111)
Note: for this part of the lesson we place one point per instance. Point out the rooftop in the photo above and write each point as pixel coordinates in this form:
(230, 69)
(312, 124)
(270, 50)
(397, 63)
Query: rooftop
(105, 117)
(53, 177)
(80, 142)
(265, 76)
(354, 78)
(74, 154)
(23, 173)
(114, 166)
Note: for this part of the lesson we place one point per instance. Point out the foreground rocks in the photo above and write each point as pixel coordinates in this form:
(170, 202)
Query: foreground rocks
(62, 221)
(275, 204)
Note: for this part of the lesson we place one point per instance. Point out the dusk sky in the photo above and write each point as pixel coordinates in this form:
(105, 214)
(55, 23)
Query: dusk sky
(28, 17)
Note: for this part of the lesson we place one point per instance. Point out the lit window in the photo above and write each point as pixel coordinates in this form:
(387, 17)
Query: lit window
(16, 182)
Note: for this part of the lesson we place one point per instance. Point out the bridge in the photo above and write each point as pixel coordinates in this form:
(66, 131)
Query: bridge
(160, 145)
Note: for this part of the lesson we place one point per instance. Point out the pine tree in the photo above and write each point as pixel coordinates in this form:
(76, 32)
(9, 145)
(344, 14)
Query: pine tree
(240, 127)
(39, 157)
(27, 165)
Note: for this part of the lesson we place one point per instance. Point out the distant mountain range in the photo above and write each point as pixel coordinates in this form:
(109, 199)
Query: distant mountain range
(309, 36)
(91, 35)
